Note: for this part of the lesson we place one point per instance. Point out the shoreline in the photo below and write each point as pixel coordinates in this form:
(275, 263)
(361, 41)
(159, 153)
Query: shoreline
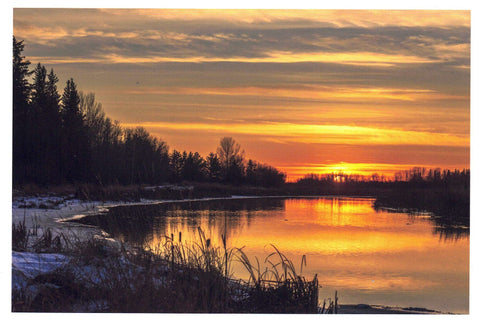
(69, 209)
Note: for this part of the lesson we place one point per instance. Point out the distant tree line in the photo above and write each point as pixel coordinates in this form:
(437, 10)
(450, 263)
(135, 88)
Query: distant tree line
(67, 138)
(417, 176)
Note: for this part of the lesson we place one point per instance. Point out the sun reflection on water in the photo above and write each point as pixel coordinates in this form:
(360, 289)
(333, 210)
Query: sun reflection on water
(372, 255)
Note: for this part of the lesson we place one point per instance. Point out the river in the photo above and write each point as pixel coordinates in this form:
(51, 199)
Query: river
(368, 256)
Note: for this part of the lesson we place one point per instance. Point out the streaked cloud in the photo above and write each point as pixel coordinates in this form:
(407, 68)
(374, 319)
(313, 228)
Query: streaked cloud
(309, 133)
(308, 91)
(337, 18)
(330, 87)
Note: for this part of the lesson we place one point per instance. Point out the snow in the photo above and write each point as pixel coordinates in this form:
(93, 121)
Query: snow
(168, 187)
(43, 212)
(40, 212)
(33, 264)
(26, 266)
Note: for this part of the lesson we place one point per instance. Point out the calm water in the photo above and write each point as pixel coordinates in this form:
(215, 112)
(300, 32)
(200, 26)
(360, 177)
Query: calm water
(368, 256)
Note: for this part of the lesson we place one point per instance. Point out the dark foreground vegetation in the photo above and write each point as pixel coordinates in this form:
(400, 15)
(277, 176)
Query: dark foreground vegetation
(97, 276)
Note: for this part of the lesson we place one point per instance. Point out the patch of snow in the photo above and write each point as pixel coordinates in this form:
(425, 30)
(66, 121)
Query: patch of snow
(33, 264)
(168, 187)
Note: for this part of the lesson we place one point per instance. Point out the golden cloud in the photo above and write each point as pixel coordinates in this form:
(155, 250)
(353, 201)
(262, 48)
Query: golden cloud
(334, 134)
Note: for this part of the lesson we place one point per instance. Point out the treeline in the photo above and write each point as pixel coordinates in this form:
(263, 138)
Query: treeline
(444, 193)
(418, 176)
(68, 138)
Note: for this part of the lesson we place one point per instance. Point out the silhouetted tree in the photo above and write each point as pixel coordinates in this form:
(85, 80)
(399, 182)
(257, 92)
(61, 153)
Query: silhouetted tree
(231, 159)
(193, 167)
(52, 122)
(269, 176)
(46, 130)
(38, 103)
(68, 138)
(22, 122)
(76, 153)
(229, 151)
(175, 166)
(147, 157)
(250, 172)
(111, 153)
(214, 168)
(263, 175)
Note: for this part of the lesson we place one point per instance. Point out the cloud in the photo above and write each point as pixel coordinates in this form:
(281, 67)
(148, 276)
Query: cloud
(310, 133)
(143, 36)
(337, 18)
(313, 92)
(283, 78)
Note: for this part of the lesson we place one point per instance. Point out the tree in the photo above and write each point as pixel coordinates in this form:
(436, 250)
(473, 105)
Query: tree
(38, 104)
(76, 155)
(263, 175)
(45, 110)
(231, 159)
(146, 156)
(193, 167)
(94, 115)
(175, 166)
(229, 151)
(21, 87)
(22, 122)
(39, 87)
(95, 123)
(52, 124)
(250, 172)
(214, 168)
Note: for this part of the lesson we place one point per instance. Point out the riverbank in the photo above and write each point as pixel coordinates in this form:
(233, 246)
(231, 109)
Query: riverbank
(448, 203)
(65, 267)
(44, 212)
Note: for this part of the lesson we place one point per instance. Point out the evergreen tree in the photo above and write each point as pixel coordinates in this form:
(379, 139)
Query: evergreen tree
(214, 168)
(38, 105)
(193, 168)
(250, 172)
(52, 126)
(175, 166)
(22, 148)
(76, 155)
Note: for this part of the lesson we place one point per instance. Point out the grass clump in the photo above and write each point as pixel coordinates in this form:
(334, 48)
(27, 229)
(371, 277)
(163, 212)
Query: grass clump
(40, 241)
(20, 236)
(175, 277)
(278, 288)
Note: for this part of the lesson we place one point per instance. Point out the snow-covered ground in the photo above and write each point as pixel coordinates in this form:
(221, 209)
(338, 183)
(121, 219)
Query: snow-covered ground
(49, 212)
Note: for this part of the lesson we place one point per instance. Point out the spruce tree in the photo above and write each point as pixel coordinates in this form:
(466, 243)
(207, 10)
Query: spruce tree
(22, 148)
(75, 162)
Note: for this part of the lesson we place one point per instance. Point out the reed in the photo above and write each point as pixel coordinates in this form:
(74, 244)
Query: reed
(278, 288)
(175, 277)
(20, 236)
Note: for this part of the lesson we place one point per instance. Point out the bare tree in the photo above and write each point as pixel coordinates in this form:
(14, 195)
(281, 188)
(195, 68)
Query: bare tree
(229, 152)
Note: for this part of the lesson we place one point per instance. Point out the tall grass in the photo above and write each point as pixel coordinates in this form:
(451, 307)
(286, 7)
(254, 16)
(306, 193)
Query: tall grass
(36, 239)
(278, 288)
(20, 236)
(175, 277)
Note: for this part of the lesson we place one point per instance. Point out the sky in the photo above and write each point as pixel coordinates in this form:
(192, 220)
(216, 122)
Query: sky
(307, 91)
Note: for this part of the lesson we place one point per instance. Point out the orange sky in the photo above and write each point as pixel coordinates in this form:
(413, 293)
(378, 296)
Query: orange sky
(303, 90)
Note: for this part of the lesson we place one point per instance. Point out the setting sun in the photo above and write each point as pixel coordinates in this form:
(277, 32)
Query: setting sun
(264, 161)
(346, 98)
